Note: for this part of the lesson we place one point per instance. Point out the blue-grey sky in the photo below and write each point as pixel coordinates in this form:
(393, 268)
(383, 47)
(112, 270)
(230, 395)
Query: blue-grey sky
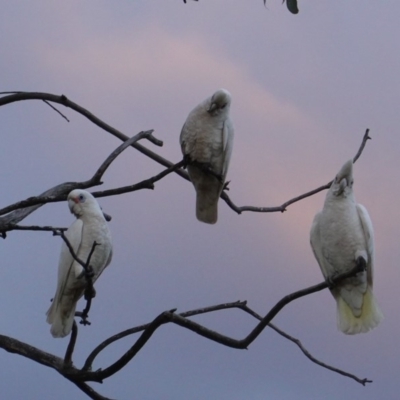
(304, 87)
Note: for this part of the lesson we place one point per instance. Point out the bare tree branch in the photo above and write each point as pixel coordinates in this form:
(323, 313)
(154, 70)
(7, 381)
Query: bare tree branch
(63, 100)
(145, 184)
(40, 200)
(67, 103)
(20, 210)
(49, 360)
(171, 316)
(89, 391)
(17, 347)
(90, 359)
(79, 377)
(70, 248)
(89, 292)
(141, 135)
(89, 289)
(35, 228)
(56, 110)
(283, 207)
(71, 345)
(60, 192)
(363, 382)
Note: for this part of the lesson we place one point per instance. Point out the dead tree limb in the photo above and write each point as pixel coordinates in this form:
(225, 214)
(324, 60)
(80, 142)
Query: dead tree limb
(183, 321)
(63, 100)
(20, 210)
(80, 376)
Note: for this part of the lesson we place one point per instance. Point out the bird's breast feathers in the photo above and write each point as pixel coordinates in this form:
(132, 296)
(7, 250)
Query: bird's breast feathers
(342, 238)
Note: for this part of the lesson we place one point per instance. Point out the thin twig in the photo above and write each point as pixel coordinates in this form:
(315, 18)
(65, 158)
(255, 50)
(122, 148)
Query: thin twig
(37, 228)
(284, 206)
(56, 110)
(141, 135)
(145, 184)
(22, 96)
(363, 143)
(70, 248)
(304, 350)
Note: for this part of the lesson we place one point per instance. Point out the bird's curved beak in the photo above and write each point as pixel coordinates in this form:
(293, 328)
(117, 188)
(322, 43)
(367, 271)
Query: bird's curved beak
(343, 185)
(106, 216)
(71, 204)
(346, 171)
(212, 107)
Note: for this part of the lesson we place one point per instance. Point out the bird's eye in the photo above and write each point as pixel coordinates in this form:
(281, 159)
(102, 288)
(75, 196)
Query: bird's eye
(81, 197)
(223, 106)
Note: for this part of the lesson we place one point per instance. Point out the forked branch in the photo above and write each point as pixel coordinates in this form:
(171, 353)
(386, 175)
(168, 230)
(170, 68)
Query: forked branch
(6, 223)
(183, 321)
(80, 376)
(18, 211)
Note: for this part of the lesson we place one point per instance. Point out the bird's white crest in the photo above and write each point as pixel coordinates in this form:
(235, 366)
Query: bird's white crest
(340, 234)
(206, 140)
(89, 227)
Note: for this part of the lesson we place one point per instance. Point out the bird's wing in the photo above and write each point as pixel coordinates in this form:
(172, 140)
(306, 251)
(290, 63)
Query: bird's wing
(191, 128)
(74, 236)
(315, 241)
(366, 224)
(109, 258)
(227, 140)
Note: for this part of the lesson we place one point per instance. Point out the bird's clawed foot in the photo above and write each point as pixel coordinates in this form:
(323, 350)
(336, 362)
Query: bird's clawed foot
(89, 274)
(226, 185)
(83, 316)
(90, 292)
(84, 320)
(330, 280)
(186, 161)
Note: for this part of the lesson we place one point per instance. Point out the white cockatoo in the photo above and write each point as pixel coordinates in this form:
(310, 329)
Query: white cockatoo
(90, 226)
(206, 140)
(340, 234)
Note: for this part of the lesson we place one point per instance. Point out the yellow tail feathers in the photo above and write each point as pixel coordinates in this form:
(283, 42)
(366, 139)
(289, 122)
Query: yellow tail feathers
(370, 316)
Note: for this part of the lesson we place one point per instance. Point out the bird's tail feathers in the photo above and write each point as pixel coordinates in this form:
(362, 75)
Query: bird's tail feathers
(207, 206)
(61, 321)
(370, 317)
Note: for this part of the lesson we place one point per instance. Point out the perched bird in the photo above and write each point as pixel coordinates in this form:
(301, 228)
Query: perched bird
(341, 236)
(90, 226)
(206, 141)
